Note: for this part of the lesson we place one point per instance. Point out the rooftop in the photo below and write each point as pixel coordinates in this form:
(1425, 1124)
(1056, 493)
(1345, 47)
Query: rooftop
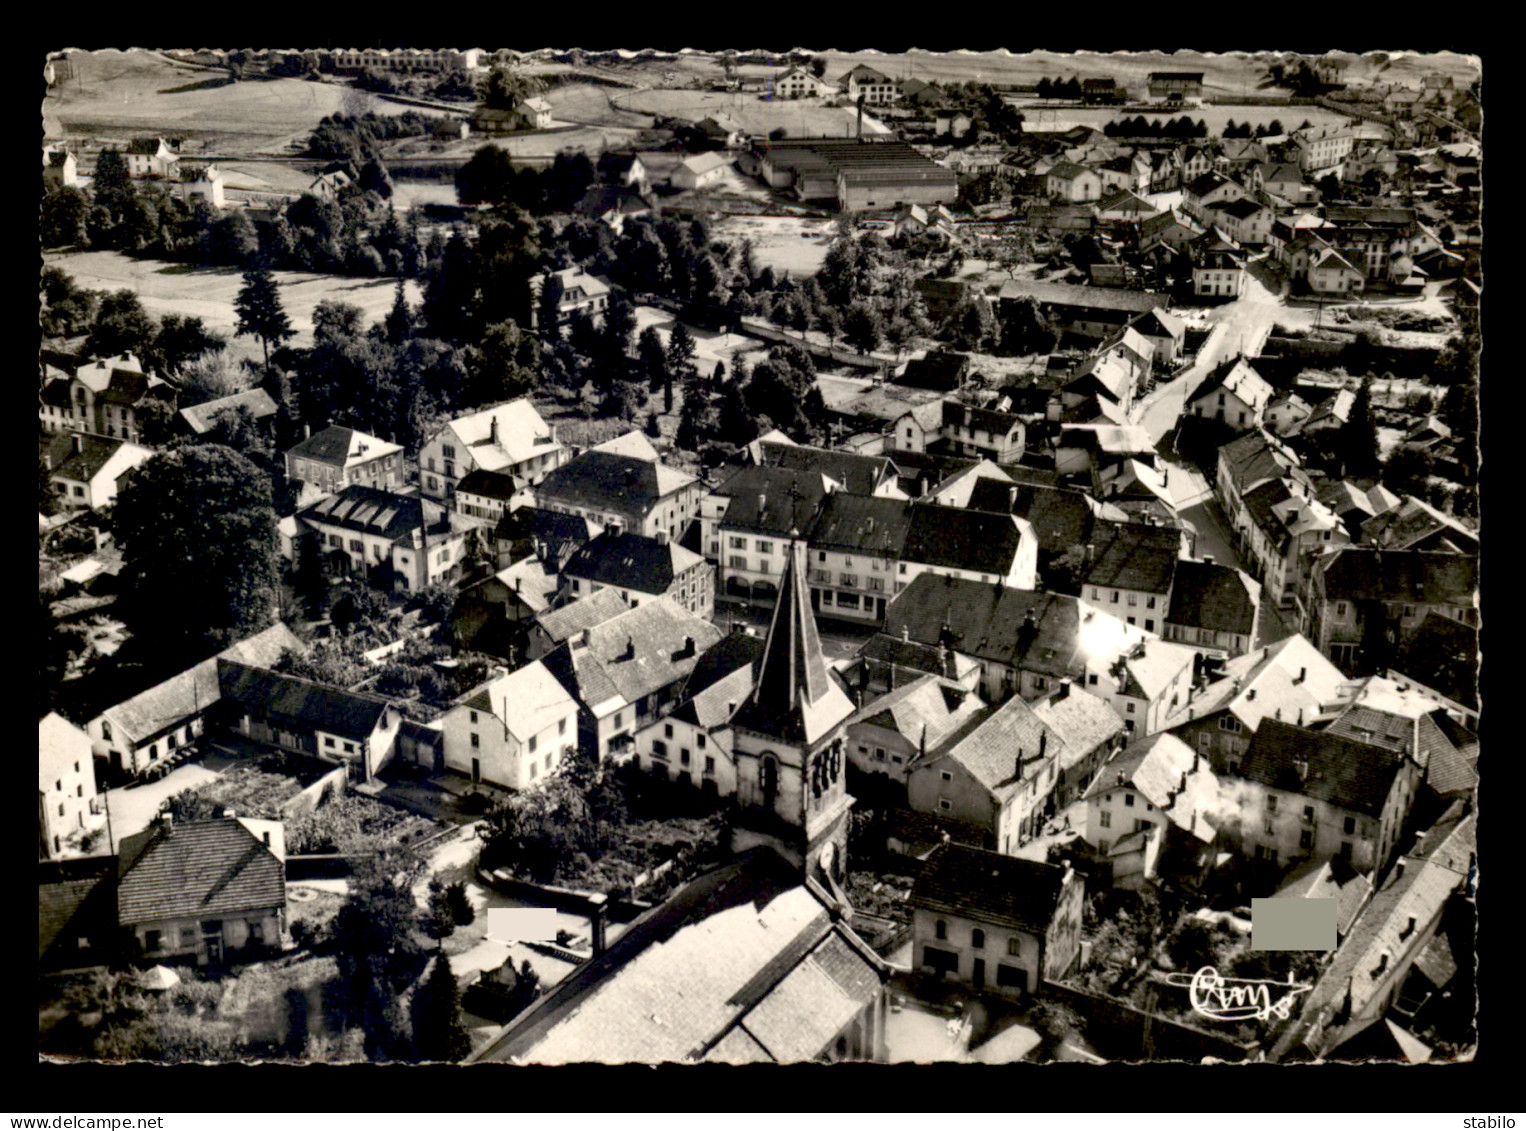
(989, 886)
(199, 869)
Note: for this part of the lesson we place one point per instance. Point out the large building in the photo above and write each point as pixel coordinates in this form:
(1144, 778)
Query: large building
(640, 569)
(858, 174)
(66, 799)
(507, 441)
(397, 542)
(639, 495)
(338, 457)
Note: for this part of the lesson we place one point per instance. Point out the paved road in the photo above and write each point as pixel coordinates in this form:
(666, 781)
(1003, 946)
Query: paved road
(1238, 328)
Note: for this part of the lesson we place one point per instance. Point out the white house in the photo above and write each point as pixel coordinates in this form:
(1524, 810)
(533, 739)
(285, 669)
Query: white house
(513, 730)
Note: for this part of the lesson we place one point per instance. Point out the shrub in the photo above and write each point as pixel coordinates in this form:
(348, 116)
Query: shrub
(460, 907)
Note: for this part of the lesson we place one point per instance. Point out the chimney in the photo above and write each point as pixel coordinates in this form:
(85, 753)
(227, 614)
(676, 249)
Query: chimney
(492, 429)
(307, 431)
(612, 528)
(630, 648)
(1208, 558)
(1302, 674)
(1012, 498)
(662, 537)
(1064, 690)
(688, 646)
(1043, 743)
(77, 442)
(1249, 695)
(519, 584)
(762, 502)
(230, 814)
(166, 823)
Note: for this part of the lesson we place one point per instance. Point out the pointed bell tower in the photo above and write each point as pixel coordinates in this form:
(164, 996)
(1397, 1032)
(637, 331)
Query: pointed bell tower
(789, 742)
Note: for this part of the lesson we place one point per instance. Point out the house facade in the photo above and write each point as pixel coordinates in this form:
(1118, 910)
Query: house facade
(66, 797)
(995, 923)
(338, 457)
(513, 731)
(396, 542)
(506, 440)
(641, 495)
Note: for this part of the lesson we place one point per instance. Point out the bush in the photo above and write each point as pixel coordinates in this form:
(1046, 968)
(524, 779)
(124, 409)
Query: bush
(460, 907)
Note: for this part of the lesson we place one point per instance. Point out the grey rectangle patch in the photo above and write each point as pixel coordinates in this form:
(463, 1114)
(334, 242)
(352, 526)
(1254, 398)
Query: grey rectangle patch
(513, 924)
(1292, 924)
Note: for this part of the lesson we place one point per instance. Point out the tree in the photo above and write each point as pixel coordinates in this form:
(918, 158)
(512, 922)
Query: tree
(112, 184)
(399, 321)
(376, 941)
(1356, 440)
(652, 359)
(197, 533)
(121, 326)
(487, 178)
(862, 327)
(1024, 328)
(439, 919)
(680, 362)
(504, 88)
(63, 217)
(182, 339)
(375, 178)
(504, 366)
(435, 1012)
(259, 310)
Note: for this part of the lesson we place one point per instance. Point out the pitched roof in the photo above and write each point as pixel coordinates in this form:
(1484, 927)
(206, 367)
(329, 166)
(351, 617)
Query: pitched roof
(604, 479)
(794, 700)
(1340, 771)
(632, 443)
(1256, 456)
(70, 908)
(1133, 555)
(1431, 577)
(989, 886)
(631, 561)
(371, 510)
(1291, 677)
(557, 532)
(773, 500)
(93, 454)
(168, 703)
(273, 695)
(956, 538)
(914, 656)
(572, 618)
(702, 163)
(1236, 375)
(1082, 720)
(526, 700)
(992, 623)
(1171, 776)
(504, 434)
(1415, 521)
(1212, 596)
(340, 447)
(742, 964)
(862, 524)
(1003, 749)
(1092, 298)
(925, 710)
(490, 484)
(203, 417)
(1329, 879)
(632, 654)
(1061, 518)
(721, 680)
(199, 869)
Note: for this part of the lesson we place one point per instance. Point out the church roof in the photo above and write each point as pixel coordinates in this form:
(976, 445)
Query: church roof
(794, 699)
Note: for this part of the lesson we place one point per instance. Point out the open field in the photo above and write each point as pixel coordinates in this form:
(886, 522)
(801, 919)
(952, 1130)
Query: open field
(804, 117)
(781, 242)
(208, 292)
(119, 94)
(1214, 117)
(589, 104)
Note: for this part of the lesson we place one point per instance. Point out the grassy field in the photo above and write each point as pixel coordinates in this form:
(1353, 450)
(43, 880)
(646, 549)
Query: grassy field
(800, 117)
(120, 94)
(208, 292)
(781, 242)
(589, 104)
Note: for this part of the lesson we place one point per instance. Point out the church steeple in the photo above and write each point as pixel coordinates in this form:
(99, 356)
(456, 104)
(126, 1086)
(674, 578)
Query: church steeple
(794, 698)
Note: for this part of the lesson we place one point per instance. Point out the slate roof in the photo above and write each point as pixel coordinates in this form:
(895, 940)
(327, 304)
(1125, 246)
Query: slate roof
(1416, 521)
(1256, 456)
(1237, 376)
(570, 619)
(793, 699)
(1082, 720)
(272, 695)
(744, 963)
(990, 746)
(956, 538)
(1359, 573)
(1213, 596)
(990, 887)
(789, 500)
(1259, 684)
(489, 484)
(168, 703)
(1060, 518)
(702, 163)
(559, 533)
(957, 415)
(857, 473)
(1171, 776)
(340, 447)
(604, 479)
(990, 623)
(1133, 555)
(200, 869)
(924, 710)
(526, 700)
(1420, 892)
(914, 656)
(655, 632)
(203, 417)
(863, 524)
(631, 561)
(371, 510)
(1329, 879)
(1349, 775)
(83, 465)
(71, 909)
(721, 680)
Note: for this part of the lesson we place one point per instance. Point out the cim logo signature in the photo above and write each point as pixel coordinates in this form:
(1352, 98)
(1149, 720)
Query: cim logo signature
(1237, 999)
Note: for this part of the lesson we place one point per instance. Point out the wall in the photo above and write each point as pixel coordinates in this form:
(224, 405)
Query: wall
(1119, 1031)
(1123, 818)
(995, 949)
(712, 748)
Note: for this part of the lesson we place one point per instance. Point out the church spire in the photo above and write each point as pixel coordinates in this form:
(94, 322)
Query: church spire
(794, 698)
